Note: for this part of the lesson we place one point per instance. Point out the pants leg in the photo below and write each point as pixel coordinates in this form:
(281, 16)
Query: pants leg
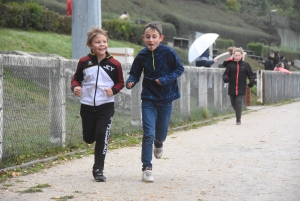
(96, 127)
(162, 123)
(237, 104)
(149, 114)
(156, 118)
(102, 137)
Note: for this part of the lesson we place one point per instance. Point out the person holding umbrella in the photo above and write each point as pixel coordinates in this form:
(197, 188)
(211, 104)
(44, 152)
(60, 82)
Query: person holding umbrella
(203, 60)
(236, 74)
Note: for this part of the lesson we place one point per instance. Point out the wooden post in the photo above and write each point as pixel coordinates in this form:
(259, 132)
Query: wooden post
(248, 96)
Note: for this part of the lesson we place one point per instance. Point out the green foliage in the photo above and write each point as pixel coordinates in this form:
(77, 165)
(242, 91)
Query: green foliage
(123, 30)
(255, 47)
(233, 5)
(26, 15)
(224, 43)
(182, 55)
(169, 31)
(30, 15)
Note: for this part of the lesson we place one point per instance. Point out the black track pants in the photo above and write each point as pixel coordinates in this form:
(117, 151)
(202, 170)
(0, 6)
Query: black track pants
(96, 125)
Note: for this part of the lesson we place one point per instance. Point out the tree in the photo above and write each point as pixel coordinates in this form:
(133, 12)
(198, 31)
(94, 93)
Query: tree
(233, 5)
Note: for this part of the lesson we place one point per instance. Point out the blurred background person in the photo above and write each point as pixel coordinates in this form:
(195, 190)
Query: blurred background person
(203, 60)
(69, 7)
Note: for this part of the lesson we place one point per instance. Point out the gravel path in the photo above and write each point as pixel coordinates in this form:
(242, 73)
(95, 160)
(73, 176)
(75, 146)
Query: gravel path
(258, 160)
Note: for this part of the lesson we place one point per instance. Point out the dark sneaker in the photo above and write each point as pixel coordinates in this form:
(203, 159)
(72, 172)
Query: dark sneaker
(147, 175)
(98, 175)
(238, 122)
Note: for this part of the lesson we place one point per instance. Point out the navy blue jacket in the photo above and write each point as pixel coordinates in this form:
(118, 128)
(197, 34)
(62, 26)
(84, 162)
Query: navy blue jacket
(203, 60)
(164, 64)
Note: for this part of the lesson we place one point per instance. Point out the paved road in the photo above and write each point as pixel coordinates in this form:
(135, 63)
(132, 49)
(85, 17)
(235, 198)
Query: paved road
(258, 160)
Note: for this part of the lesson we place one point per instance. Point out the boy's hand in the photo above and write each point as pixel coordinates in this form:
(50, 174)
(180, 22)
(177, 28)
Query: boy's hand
(109, 92)
(129, 85)
(77, 91)
(157, 81)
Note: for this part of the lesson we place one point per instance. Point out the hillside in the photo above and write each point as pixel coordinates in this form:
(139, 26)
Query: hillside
(184, 16)
(52, 43)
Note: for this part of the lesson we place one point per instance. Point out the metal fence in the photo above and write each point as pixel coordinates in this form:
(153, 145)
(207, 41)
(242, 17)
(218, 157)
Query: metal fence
(38, 110)
(273, 87)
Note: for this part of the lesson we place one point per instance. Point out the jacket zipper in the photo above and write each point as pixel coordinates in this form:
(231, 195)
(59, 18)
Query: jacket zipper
(96, 85)
(153, 60)
(237, 78)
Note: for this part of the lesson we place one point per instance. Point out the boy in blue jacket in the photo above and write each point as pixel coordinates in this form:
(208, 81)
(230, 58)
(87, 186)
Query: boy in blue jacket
(161, 67)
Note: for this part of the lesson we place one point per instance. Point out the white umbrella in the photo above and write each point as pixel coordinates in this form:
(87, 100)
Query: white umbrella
(201, 44)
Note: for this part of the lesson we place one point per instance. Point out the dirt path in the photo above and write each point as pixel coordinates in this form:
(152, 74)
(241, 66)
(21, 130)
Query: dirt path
(259, 160)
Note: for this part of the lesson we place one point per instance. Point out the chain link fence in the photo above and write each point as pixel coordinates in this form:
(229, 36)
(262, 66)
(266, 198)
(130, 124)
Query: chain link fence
(38, 111)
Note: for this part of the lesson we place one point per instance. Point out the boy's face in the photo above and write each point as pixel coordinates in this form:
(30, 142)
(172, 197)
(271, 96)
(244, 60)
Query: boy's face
(152, 38)
(99, 45)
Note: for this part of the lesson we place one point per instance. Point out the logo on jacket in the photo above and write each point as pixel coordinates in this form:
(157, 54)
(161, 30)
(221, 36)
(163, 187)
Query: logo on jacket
(90, 63)
(108, 67)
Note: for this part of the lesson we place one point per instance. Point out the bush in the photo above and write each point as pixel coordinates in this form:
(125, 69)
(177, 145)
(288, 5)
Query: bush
(256, 48)
(169, 31)
(182, 54)
(25, 15)
(123, 30)
(224, 43)
(33, 16)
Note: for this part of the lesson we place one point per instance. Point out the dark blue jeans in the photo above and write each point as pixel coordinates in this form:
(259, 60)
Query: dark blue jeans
(156, 119)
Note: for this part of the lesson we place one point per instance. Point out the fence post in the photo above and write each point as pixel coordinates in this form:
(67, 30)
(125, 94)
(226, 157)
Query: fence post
(136, 110)
(202, 88)
(185, 99)
(1, 107)
(217, 86)
(57, 104)
(259, 86)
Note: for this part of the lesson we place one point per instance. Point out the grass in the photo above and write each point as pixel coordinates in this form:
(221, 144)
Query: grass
(63, 198)
(34, 41)
(36, 189)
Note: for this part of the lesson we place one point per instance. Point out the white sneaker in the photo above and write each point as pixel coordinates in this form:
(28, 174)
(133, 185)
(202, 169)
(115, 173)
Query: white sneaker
(147, 175)
(158, 152)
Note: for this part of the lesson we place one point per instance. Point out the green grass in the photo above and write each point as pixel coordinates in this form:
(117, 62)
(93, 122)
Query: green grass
(36, 189)
(34, 41)
(46, 42)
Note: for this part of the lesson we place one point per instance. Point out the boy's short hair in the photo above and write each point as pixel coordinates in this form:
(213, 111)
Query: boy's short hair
(153, 26)
(93, 32)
